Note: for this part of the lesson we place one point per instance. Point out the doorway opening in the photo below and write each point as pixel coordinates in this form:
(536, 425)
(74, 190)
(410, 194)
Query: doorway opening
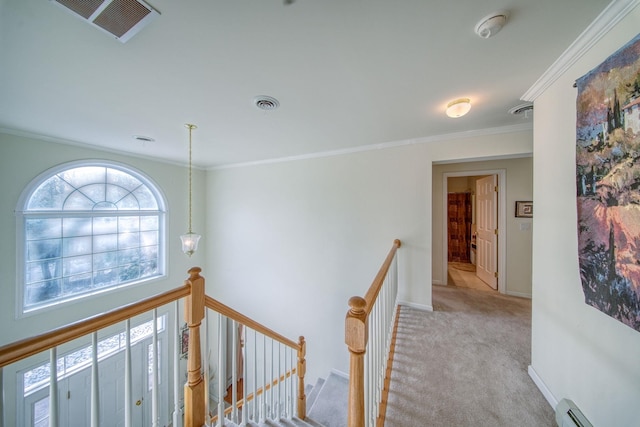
(474, 213)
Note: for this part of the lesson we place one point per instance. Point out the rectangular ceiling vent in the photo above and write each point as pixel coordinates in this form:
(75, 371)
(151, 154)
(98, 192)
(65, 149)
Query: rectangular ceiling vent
(120, 18)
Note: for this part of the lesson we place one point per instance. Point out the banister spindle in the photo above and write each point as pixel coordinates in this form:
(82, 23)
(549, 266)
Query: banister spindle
(205, 360)
(222, 364)
(194, 389)
(1, 400)
(177, 347)
(128, 384)
(95, 388)
(302, 370)
(53, 388)
(234, 372)
(356, 335)
(245, 383)
(155, 417)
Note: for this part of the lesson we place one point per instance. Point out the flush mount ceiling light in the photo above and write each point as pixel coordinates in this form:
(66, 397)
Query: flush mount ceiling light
(266, 103)
(491, 24)
(458, 108)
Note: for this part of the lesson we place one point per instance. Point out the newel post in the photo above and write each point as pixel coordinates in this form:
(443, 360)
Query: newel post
(194, 405)
(356, 336)
(302, 370)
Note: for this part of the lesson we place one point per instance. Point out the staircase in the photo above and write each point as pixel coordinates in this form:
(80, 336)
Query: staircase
(326, 405)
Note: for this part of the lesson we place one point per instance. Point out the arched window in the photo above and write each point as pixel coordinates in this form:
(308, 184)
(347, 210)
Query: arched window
(88, 227)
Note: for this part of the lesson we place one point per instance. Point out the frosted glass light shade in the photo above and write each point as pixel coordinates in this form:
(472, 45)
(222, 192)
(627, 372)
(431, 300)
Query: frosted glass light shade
(190, 243)
(458, 108)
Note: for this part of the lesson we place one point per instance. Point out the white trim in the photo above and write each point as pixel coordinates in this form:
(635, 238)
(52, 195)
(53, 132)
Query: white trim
(502, 220)
(542, 387)
(429, 139)
(607, 19)
(519, 294)
(413, 305)
(438, 282)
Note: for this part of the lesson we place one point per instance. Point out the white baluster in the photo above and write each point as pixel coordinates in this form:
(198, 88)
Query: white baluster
(222, 349)
(1, 399)
(278, 407)
(263, 415)
(245, 382)
(53, 388)
(271, 374)
(287, 383)
(154, 372)
(255, 376)
(234, 371)
(128, 388)
(204, 351)
(95, 388)
(177, 348)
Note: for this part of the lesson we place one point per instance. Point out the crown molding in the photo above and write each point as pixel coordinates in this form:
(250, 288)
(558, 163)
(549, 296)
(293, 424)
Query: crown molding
(430, 139)
(607, 19)
(63, 141)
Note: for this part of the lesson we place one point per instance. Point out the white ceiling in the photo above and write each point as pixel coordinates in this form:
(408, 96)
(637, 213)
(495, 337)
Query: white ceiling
(347, 73)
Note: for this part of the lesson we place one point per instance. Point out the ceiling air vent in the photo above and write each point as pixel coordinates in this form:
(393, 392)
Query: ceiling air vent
(522, 109)
(120, 18)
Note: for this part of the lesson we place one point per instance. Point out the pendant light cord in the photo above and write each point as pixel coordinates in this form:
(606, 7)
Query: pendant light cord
(191, 127)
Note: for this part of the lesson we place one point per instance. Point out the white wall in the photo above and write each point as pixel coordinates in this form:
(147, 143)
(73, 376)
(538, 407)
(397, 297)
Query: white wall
(519, 186)
(577, 351)
(291, 242)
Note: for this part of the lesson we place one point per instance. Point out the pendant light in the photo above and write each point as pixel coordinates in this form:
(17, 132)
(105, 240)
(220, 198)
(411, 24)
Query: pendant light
(190, 239)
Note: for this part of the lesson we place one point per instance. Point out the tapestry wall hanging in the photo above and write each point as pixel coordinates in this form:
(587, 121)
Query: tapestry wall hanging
(608, 184)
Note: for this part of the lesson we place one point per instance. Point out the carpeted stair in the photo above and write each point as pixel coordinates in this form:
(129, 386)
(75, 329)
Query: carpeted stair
(326, 405)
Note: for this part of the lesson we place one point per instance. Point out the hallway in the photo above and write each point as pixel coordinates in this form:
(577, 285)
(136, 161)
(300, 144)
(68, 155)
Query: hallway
(463, 275)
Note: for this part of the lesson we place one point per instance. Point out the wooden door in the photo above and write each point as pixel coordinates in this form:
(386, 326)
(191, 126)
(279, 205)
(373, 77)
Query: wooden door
(487, 230)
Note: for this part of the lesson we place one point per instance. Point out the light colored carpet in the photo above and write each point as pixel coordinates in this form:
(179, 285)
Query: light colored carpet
(465, 364)
(330, 407)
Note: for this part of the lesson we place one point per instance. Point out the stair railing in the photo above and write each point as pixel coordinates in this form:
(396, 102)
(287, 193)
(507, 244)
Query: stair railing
(368, 334)
(263, 367)
(196, 399)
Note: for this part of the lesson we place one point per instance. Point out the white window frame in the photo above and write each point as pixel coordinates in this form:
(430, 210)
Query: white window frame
(21, 215)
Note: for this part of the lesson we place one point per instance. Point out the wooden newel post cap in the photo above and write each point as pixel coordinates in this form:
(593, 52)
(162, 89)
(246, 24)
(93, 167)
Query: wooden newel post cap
(194, 273)
(357, 305)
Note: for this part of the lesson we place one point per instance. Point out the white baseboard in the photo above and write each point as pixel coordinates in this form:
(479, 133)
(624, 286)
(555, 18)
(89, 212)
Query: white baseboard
(420, 307)
(543, 388)
(437, 282)
(518, 294)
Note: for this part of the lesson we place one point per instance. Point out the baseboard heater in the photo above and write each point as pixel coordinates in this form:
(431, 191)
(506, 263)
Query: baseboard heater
(568, 415)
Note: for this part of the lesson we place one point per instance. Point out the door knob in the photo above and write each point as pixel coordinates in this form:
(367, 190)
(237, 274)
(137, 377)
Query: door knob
(139, 402)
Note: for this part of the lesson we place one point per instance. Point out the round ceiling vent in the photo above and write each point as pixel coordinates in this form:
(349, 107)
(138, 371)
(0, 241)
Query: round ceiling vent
(266, 103)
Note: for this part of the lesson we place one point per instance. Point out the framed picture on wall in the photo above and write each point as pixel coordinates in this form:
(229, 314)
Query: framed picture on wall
(524, 209)
(184, 341)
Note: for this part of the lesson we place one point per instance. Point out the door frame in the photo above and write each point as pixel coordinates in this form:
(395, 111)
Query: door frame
(502, 220)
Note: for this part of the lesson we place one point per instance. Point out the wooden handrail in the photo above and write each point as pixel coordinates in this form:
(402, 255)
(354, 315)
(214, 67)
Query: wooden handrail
(195, 303)
(376, 285)
(29, 346)
(241, 318)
